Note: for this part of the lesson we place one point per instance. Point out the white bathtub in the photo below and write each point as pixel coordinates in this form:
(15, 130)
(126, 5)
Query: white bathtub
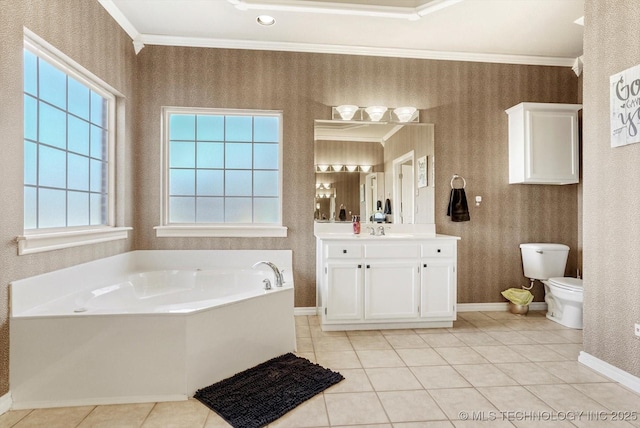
(146, 326)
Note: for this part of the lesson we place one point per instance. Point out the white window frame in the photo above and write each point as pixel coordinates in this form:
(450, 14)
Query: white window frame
(167, 229)
(47, 239)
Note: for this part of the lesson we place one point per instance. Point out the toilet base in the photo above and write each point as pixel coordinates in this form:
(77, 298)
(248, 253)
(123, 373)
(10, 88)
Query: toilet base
(571, 317)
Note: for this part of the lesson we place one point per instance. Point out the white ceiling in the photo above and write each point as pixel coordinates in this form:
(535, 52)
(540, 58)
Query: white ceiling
(509, 31)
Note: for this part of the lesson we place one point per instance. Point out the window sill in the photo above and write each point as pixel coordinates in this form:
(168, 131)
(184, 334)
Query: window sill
(226, 231)
(37, 242)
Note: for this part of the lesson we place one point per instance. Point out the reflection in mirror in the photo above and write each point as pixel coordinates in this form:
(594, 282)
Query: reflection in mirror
(382, 172)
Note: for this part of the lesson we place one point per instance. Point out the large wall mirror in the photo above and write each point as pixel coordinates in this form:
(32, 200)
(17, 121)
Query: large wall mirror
(382, 172)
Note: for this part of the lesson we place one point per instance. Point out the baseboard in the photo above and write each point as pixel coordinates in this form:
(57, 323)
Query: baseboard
(496, 307)
(461, 307)
(624, 378)
(5, 403)
(311, 310)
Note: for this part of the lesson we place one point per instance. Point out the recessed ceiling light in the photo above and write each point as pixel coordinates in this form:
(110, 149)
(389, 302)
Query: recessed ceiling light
(265, 20)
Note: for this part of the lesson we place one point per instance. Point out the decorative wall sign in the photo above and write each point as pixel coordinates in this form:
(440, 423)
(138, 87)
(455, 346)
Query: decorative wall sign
(625, 107)
(422, 171)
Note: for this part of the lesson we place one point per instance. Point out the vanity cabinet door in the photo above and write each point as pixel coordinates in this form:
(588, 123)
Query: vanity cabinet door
(438, 289)
(391, 290)
(344, 290)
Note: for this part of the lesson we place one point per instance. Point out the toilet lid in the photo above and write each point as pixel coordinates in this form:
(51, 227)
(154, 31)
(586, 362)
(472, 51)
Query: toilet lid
(568, 283)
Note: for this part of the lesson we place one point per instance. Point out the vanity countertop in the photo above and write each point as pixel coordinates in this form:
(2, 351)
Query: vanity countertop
(378, 238)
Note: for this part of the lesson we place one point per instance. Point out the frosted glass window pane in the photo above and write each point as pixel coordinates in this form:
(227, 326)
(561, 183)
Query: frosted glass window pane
(53, 85)
(210, 128)
(183, 210)
(78, 98)
(98, 209)
(98, 110)
(78, 173)
(238, 128)
(182, 182)
(238, 156)
(98, 143)
(237, 183)
(266, 156)
(30, 163)
(30, 118)
(237, 210)
(210, 210)
(52, 167)
(210, 155)
(30, 208)
(52, 208)
(265, 183)
(78, 135)
(182, 127)
(266, 210)
(182, 154)
(53, 126)
(210, 182)
(78, 209)
(98, 176)
(30, 73)
(266, 129)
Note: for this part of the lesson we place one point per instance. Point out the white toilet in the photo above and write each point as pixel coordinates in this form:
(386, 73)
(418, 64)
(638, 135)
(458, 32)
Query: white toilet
(563, 295)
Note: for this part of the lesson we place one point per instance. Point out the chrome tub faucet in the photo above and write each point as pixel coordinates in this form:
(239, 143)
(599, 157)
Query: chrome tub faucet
(279, 280)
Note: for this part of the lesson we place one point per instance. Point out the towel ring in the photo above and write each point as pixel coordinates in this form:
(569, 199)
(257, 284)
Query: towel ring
(456, 176)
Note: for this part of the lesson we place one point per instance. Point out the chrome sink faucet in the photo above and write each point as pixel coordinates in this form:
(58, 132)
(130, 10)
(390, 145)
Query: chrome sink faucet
(276, 272)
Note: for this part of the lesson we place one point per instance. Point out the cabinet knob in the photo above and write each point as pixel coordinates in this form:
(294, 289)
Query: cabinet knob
(359, 266)
(424, 265)
(439, 250)
(344, 251)
(368, 266)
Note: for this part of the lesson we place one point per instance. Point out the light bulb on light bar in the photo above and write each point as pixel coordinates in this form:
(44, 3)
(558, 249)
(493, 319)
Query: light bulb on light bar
(351, 168)
(365, 168)
(323, 168)
(337, 167)
(327, 185)
(405, 114)
(376, 112)
(318, 185)
(347, 111)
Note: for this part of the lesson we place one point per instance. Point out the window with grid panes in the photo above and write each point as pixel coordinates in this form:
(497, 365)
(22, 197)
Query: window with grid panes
(223, 167)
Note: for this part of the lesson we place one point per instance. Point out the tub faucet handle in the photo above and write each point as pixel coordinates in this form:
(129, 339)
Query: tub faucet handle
(267, 284)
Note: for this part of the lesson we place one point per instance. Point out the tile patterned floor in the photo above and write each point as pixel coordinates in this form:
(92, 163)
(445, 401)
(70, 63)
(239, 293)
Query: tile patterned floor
(512, 370)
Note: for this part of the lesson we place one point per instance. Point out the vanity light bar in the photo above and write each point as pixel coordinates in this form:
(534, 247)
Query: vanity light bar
(342, 168)
(350, 112)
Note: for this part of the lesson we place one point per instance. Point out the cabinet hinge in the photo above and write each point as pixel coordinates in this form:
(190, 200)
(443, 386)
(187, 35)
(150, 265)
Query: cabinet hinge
(325, 310)
(325, 270)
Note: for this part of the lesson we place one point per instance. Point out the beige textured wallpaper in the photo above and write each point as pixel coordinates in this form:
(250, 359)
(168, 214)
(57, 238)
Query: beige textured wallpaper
(611, 204)
(84, 31)
(465, 101)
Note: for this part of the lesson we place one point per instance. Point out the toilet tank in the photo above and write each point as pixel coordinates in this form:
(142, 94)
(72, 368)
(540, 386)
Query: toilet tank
(544, 261)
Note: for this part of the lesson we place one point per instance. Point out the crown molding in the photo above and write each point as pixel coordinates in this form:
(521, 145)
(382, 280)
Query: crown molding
(150, 39)
(335, 8)
(124, 23)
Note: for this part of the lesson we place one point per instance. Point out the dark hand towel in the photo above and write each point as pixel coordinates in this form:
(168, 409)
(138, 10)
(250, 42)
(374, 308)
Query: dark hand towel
(387, 206)
(458, 209)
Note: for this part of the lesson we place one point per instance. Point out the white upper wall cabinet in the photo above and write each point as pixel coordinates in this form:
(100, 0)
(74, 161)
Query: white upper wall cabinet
(543, 143)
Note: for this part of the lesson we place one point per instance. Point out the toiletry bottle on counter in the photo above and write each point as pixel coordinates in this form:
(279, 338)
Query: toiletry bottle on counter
(356, 224)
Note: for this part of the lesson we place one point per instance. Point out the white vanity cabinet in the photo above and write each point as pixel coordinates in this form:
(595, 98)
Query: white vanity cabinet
(543, 143)
(383, 282)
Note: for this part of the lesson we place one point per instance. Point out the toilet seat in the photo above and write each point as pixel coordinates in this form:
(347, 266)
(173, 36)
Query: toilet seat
(567, 283)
